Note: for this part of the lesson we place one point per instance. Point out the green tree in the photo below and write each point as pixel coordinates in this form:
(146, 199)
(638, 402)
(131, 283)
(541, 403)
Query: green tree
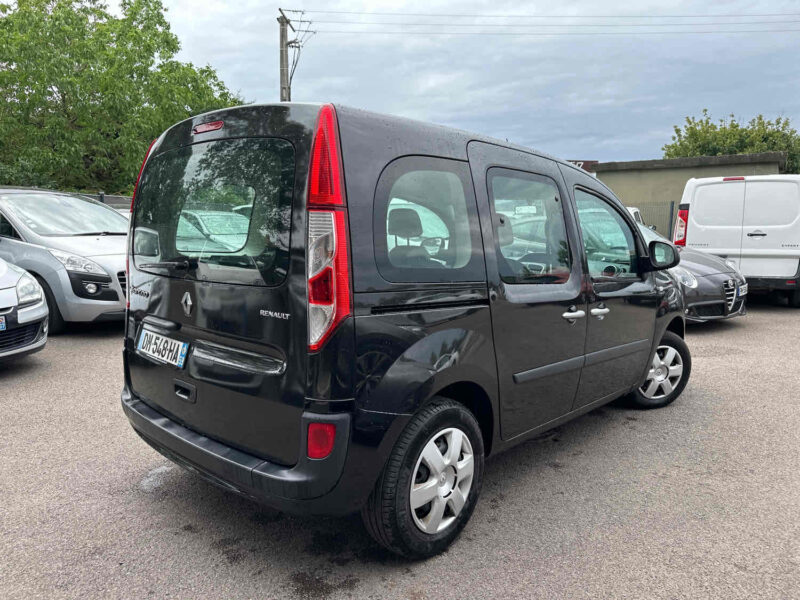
(83, 92)
(704, 137)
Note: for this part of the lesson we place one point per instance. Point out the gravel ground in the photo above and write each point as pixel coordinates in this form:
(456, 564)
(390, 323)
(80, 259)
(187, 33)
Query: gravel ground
(701, 499)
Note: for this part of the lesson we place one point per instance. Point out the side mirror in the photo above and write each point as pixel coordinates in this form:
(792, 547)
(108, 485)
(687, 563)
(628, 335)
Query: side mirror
(663, 255)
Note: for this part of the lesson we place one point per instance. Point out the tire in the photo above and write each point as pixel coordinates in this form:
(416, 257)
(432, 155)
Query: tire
(794, 298)
(664, 392)
(388, 515)
(55, 322)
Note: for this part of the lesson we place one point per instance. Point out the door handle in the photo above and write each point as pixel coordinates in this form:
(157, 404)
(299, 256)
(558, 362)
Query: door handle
(756, 234)
(600, 312)
(573, 314)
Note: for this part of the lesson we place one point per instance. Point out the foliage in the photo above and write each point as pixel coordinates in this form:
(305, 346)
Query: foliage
(84, 92)
(704, 137)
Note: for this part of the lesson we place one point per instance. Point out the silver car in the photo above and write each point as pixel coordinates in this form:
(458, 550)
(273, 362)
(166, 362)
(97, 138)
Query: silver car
(23, 313)
(73, 246)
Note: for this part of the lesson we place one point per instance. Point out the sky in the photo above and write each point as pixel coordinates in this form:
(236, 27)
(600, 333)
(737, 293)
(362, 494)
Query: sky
(598, 97)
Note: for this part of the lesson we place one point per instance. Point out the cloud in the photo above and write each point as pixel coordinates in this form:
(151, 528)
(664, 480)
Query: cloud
(593, 97)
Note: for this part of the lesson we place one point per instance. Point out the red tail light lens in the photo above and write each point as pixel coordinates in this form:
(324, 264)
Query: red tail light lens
(212, 126)
(328, 263)
(321, 437)
(679, 239)
(733, 179)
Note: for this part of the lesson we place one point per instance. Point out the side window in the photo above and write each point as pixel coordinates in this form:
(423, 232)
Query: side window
(7, 229)
(425, 224)
(608, 241)
(529, 229)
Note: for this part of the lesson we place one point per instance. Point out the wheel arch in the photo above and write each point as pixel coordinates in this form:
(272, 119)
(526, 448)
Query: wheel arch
(477, 401)
(678, 327)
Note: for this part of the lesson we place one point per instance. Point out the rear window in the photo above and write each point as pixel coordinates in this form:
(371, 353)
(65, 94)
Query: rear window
(225, 206)
(718, 204)
(771, 203)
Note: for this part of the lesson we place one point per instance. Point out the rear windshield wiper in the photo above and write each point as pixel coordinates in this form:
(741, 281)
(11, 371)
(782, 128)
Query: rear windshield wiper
(178, 264)
(101, 233)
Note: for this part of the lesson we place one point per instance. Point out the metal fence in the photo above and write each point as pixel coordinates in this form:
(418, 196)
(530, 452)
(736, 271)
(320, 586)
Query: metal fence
(111, 200)
(660, 215)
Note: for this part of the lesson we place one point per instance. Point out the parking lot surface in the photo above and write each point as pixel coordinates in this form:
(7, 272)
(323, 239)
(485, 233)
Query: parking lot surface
(701, 499)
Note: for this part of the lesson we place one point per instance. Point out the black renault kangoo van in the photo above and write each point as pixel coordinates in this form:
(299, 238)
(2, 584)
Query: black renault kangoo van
(334, 311)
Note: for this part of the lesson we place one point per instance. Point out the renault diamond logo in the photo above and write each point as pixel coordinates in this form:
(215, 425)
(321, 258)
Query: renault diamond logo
(186, 302)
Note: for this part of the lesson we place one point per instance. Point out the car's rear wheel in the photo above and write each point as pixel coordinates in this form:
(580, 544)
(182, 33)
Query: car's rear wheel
(430, 484)
(55, 322)
(670, 368)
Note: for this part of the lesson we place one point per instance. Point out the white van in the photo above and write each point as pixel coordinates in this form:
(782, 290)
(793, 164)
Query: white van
(753, 222)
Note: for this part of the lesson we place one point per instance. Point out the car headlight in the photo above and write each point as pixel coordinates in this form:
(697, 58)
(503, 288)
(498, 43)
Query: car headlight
(78, 264)
(28, 290)
(685, 277)
(734, 268)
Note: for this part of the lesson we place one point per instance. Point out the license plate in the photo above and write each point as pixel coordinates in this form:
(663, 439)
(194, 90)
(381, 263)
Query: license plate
(743, 290)
(2, 323)
(162, 348)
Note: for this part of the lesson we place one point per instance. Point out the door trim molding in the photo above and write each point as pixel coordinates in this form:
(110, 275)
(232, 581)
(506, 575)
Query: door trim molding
(594, 358)
(563, 366)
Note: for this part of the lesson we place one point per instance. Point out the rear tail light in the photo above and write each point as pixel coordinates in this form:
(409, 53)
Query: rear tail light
(681, 225)
(328, 263)
(321, 437)
(130, 237)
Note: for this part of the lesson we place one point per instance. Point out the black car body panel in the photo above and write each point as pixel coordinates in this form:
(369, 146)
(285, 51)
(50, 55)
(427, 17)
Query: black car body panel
(239, 411)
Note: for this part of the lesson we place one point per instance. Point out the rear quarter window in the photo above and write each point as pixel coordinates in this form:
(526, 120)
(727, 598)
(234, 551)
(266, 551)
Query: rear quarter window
(426, 224)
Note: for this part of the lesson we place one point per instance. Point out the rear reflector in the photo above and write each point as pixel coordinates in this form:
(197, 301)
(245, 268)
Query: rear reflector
(211, 126)
(321, 437)
(327, 260)
(679, 239)
(791, 282)
(733, 179)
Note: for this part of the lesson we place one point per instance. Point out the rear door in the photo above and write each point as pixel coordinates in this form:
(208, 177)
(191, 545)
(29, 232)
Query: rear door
(771, 228)
(715, 218)
(204, 275)
(537, 306)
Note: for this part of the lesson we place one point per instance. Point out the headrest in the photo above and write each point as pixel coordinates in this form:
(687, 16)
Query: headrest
(505, 232)
(404, 222)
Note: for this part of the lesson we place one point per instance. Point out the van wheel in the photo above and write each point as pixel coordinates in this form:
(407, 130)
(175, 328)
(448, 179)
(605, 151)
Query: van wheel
(794, 298)
(55, 322)
(430, 484)
(669, 373)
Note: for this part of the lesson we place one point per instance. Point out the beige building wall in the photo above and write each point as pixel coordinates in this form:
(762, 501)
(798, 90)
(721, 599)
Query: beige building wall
(652, 185)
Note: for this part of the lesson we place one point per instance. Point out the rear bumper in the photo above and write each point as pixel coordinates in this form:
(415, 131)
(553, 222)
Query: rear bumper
(768, 284)
(309, 487)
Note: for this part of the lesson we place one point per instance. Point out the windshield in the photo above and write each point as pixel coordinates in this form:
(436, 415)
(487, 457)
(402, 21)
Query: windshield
(51, 214)
(649, 235)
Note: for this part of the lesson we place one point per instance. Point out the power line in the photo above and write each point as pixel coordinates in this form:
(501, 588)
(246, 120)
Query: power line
(556, 33)
(599, 25)
(545, 16)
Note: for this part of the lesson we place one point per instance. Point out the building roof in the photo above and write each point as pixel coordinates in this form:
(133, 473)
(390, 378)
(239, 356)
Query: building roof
(693, 161)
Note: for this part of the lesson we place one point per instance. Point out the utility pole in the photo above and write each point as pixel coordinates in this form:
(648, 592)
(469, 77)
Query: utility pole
(286, 86)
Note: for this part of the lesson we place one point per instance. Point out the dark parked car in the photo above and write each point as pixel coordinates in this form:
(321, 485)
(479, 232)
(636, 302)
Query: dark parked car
(713, 288)
(372, 341)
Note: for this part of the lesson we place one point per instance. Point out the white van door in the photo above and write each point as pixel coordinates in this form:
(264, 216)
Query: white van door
(715, 218)
(771, 229)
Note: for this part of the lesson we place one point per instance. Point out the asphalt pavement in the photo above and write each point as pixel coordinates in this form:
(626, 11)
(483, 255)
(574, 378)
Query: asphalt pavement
(698, 500)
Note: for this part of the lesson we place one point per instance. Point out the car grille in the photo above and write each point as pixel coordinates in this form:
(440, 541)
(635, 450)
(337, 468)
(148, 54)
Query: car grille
(710, 310)
(123, 282)
(19, 337)
(730, 293)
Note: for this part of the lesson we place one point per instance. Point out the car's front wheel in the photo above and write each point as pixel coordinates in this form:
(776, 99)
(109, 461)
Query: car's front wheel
(670, 368)
(430, 484)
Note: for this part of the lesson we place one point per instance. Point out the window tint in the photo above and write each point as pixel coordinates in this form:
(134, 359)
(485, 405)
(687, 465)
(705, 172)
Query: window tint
(426, 226)
(771, 203)
(529, 229)
(7, 229)
(190, 204)
(608, 241)
(718, 204)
